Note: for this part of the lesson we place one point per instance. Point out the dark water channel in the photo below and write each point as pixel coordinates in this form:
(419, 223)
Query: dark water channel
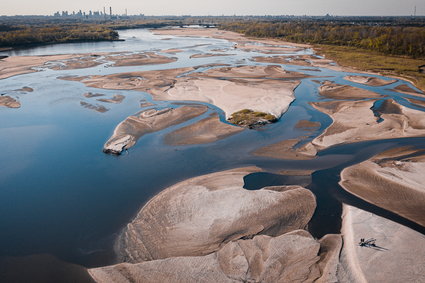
(61, 196)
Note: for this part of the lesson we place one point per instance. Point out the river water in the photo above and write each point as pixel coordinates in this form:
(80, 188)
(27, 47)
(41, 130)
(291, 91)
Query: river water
(61, 196)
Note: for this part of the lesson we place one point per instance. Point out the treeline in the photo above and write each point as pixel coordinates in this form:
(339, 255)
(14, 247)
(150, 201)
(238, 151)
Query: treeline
(390, 40)
(26, 35)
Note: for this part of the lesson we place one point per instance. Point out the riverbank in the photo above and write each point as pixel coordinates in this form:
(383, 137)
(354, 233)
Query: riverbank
(376, 63)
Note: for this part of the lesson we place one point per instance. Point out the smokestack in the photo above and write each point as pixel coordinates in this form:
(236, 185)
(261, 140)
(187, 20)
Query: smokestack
(104, 13)
(110, 12)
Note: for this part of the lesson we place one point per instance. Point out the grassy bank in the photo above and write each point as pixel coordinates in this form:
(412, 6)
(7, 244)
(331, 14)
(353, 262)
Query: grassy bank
(366, 60)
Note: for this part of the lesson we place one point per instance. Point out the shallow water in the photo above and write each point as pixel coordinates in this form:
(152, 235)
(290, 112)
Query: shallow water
(60, 195)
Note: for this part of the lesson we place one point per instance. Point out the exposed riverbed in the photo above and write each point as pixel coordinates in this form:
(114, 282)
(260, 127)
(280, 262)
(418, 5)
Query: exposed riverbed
(61, 195)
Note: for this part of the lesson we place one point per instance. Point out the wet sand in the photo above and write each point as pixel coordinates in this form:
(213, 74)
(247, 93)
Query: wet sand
(131, 129)
(9, 102)
(95, 107)
(405, 89)
(18, 65)
(205, 131)
(118, 98)
(332, 90)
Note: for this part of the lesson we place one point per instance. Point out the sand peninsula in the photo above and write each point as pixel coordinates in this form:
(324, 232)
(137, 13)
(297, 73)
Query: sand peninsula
(397, 257)
(392, 180)
(209, 227)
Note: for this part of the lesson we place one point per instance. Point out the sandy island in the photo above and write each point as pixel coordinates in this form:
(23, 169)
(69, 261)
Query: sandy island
(209, 227)
(257, 90)
(355, 121)
(95, 107)
(131, 129)
(370, 81)
(9, 102)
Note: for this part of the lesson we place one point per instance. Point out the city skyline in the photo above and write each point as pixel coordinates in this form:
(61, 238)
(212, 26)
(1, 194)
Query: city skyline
(221, 7)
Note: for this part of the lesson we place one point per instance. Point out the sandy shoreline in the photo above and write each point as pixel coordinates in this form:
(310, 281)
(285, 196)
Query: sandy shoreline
(398, 256)
(392, 180)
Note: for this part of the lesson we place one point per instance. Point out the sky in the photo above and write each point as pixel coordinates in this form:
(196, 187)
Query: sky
(219, 7)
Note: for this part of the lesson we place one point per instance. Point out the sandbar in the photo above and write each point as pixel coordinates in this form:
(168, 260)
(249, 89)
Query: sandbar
(405, 89)
(9, 102)
(354, 121)
(18, 65)
(131, 129)
(332, 90)
(117, 98)
(370, 81)
(98, 108)
(205, 131)
(393, 180)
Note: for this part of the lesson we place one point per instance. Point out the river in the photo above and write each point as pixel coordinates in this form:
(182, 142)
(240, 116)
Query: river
(60, 195)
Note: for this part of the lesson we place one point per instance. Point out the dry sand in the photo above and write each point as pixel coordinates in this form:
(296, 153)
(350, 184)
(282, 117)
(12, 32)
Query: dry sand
(205, 131)
(287, 60)
(268, 96)
(401, 258)
(17, 65)
(293, 149)
(354, 121)
(256, 93)
(288, 149)
(393, 180)
(139, 59)
(200, 215)
(9, 102)
(131, 129)
(292, 257)
(370, 81)
(332, 90)
(254, 72)
(241, 40)
(77, 62)
(172, 51)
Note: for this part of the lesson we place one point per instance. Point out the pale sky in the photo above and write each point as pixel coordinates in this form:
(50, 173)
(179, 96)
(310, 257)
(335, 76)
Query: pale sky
(218, 7)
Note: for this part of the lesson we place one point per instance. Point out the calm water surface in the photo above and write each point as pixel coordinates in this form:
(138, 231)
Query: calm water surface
(60, 195)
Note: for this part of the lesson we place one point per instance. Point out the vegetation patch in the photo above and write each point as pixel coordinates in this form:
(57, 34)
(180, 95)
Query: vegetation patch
(251, 119)
(375, 62)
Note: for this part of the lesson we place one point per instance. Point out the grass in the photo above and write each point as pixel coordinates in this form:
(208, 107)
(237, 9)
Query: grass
(366, 60)
(250, 118)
